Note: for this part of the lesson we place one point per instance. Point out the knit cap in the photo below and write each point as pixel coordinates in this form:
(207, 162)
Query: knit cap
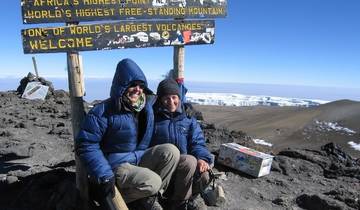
(168, 87)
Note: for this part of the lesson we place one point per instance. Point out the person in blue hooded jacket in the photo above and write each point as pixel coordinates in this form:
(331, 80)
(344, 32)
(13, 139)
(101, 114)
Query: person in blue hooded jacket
(173, 125)
(113, 142)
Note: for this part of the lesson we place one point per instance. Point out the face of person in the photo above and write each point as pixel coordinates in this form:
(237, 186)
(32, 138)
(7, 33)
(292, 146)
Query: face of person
(134, 92)
(170, 102)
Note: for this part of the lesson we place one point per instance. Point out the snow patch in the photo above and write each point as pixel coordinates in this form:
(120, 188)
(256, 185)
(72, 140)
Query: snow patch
(262, 142)
(354, 145)
(333, 126)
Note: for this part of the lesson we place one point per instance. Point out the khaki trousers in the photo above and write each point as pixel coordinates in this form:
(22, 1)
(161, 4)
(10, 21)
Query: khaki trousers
(187, 180)
(151, 176)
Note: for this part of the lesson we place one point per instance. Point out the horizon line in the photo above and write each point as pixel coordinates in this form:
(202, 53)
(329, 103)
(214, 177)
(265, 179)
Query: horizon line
(191, 81)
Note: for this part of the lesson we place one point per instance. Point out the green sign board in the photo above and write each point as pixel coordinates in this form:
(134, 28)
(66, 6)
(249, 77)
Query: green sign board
(50, 11)
(118, 35)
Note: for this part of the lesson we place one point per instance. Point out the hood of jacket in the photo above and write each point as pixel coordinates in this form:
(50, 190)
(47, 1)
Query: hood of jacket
(127, 71)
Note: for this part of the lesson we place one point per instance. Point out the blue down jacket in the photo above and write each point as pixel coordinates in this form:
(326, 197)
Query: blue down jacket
(181, 130)
(109, 134)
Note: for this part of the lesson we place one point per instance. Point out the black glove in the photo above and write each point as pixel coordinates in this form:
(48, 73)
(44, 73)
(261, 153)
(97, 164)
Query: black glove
(102, 189)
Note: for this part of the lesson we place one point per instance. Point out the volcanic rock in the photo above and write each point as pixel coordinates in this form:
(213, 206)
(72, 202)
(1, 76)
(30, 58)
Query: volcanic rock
(37, 166)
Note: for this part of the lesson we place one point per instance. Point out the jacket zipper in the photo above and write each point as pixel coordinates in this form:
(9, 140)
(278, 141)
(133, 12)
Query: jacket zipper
(174, 130)
(136, 121)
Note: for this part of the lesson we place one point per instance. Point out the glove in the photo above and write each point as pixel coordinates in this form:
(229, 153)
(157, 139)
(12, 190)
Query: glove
(102, 189)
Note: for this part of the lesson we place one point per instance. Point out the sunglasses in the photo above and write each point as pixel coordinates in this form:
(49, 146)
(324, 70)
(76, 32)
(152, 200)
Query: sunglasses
(140, 84)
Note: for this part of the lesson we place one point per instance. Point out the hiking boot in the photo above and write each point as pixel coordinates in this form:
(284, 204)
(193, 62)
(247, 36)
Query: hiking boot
(196, 202)
(150, 203)
(179, 205)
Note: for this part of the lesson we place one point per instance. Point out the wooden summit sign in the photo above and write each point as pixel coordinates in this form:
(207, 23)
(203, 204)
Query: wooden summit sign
(115, 35)
(118, 35)
(49, 11)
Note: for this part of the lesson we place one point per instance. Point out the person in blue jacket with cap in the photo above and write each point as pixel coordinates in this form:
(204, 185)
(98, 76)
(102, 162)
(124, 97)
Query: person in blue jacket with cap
(173, 125)
(113, 142)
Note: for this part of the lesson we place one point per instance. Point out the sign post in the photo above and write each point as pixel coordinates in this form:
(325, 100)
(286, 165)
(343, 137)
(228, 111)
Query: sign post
(77, 116)
(179, 59)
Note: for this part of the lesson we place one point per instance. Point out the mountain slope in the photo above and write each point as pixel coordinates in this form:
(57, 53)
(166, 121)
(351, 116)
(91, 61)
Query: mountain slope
(291, 126)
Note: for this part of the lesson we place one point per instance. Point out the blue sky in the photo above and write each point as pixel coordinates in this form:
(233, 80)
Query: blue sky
(295, 42)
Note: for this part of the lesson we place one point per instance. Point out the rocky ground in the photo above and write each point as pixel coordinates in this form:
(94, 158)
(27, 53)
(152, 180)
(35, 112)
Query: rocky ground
(37, 169)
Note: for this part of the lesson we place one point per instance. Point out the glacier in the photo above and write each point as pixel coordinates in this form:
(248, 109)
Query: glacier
(234, 99)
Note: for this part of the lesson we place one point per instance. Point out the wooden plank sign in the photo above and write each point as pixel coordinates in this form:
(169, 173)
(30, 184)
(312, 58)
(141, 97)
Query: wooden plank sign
(49, 11)
(118, 35)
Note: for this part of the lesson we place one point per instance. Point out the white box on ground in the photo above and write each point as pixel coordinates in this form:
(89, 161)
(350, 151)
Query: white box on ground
(244, 159)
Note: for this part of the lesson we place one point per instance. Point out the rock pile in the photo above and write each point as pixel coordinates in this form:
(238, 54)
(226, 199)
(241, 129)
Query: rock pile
(32, 78)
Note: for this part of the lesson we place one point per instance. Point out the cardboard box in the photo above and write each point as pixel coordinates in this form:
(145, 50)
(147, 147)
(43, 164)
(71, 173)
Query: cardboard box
(245, 159)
